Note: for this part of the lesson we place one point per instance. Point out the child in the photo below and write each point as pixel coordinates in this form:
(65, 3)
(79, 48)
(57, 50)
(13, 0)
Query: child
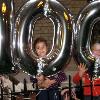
(49, 84)
(84, 75)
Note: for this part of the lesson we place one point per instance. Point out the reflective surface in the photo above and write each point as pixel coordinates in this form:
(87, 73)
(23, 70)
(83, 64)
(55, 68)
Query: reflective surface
(6, 24)
(82, 38)
(24, 56)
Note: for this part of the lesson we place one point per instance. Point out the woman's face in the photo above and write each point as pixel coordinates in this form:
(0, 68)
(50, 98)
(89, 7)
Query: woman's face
(96, 50)
(40, 79)
(41, 49)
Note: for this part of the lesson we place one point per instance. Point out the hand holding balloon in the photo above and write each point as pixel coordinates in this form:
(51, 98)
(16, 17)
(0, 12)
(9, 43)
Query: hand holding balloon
(44, 82)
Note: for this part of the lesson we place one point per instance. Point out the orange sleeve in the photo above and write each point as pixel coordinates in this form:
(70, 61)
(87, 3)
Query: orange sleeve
(76, 78)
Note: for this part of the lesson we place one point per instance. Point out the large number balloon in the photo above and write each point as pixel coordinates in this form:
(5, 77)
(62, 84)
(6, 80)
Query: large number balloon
(84, 26)
(26, 18)
(6, 28)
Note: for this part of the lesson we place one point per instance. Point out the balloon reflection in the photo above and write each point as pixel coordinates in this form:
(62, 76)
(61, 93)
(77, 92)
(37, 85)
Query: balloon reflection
(60, 53)
(6, 22)
(83, 35)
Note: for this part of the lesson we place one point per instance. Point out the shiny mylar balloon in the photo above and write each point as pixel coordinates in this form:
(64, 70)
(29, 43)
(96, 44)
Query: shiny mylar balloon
(90, 0)
(26, 18)
(6, 28)
(84, 27)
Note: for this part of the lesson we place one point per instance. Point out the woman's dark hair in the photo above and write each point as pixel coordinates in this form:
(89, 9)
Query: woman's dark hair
(39, 39)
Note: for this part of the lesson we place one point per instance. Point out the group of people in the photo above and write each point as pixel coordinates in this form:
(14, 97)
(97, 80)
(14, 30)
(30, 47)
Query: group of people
(49, 86)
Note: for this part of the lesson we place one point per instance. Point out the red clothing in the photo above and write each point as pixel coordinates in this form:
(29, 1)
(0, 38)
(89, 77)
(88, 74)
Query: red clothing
(86, 81)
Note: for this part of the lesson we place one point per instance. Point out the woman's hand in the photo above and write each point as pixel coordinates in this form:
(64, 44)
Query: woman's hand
(44, 82)
(82, 69)
(40, 79)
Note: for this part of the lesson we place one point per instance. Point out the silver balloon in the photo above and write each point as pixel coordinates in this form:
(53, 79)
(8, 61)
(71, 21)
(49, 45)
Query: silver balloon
(85, 22)
(90, 0)
(96, 71)
(6, 24)
(26, 18)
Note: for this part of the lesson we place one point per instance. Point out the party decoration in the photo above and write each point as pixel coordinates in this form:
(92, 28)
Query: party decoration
(26, 17)
(83, 35)
(96, 72)
(6, 29)
(90, 0)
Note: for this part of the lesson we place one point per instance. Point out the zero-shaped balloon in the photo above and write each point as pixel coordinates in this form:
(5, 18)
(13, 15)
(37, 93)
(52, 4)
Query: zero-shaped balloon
(6, 29)
(26, 18)
(85, 22)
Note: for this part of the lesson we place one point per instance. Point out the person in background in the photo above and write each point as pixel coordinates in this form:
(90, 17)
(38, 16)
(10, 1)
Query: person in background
(66, 96)
(85, 75)
(48, 85)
